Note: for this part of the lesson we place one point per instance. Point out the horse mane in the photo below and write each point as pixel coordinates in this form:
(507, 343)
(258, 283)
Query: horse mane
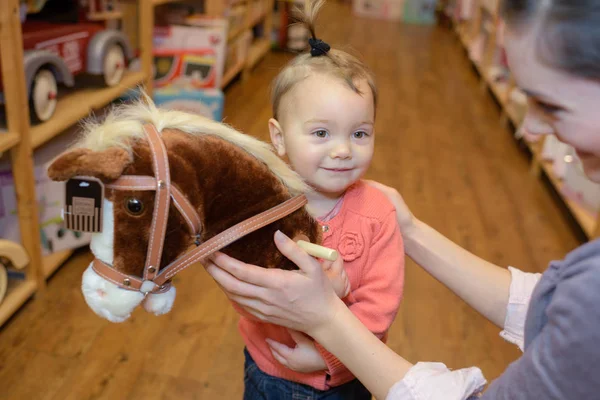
(124, 124)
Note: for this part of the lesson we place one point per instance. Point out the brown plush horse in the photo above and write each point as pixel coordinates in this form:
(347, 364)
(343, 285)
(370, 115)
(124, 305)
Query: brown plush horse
(175, 181)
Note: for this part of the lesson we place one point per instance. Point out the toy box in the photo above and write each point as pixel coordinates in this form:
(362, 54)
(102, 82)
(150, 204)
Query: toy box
(190, 55)
(207, 102)
(381, 9)
(50, 196)
(420, 11)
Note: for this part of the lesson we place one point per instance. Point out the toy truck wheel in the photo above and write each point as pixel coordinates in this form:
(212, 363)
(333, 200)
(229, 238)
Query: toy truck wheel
(43, 97)
(114, 65)
(3, 282)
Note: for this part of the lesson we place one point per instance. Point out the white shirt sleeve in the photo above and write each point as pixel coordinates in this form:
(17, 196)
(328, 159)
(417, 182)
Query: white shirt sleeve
(434, 381)
(521, 288)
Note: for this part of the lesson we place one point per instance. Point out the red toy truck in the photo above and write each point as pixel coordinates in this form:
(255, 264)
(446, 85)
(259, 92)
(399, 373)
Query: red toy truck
(71, 44)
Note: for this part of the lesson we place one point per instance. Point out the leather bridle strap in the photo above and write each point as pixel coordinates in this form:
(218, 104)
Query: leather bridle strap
(146, 183)
(229, 236)
(162, 281)
(160, 217)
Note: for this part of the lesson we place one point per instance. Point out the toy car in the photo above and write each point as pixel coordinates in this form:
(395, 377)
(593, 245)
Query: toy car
(55, 52)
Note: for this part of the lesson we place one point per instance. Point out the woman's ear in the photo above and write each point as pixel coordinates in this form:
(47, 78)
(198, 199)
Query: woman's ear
(277, 136)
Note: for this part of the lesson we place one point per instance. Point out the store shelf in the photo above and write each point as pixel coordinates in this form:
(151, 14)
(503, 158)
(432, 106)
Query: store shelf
(257, 51)
(17, 294)
(77, 105)
(232, 73)
(235, 33)
(105, 16)
(257, 19)
(584, 218)
(54, 261)
(8, 140)
(159, 2)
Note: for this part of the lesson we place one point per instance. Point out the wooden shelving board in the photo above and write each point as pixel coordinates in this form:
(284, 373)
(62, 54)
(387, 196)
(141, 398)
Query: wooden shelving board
(77, 105)
(53, 261)
(257, 51)
(233, 71)
(256, 19)
(17, 294)
(8, 140)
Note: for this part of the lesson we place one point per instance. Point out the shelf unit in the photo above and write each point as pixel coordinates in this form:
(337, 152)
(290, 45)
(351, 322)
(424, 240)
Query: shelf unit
(468, 31)
(260, 46)
(21, 138)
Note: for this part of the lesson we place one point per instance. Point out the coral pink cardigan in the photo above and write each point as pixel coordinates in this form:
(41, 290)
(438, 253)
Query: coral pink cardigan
(366, 235)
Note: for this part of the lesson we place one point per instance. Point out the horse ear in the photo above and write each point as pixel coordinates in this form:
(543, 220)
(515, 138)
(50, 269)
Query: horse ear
(105, 165)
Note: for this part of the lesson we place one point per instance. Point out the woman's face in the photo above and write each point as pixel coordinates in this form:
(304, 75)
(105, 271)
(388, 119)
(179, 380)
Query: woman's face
(559, 103)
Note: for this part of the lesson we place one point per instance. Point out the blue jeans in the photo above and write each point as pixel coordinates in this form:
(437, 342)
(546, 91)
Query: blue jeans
(261, 386)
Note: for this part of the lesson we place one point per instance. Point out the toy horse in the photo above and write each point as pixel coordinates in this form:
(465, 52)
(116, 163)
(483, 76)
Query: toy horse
(177, 188)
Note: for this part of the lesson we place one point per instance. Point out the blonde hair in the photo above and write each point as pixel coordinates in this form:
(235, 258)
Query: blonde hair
(336, 63)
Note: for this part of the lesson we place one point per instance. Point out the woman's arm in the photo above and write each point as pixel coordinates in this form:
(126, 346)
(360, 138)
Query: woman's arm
(482, 285)
(305, 301)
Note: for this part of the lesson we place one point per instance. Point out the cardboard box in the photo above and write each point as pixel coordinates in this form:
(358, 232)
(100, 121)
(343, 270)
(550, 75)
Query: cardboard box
(420, 11)
(50, 197)
(208, 102)
(190, 55)
(380, 9)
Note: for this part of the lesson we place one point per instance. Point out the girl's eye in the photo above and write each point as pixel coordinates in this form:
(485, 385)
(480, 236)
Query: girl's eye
(360, 134)
(320, 134)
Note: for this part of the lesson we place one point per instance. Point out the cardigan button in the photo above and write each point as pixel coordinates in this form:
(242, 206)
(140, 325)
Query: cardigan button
(325, 228)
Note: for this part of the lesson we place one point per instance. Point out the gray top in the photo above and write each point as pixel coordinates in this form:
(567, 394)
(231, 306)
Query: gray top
(562, 335)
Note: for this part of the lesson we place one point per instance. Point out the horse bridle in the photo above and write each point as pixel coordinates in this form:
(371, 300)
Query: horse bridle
(154, 279)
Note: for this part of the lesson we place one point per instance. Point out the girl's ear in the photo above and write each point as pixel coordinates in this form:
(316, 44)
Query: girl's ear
(277, 136)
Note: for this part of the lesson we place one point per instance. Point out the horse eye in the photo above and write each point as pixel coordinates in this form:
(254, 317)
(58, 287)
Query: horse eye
(134, 206)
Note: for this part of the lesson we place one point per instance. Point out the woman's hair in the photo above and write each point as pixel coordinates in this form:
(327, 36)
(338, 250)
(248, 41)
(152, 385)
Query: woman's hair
(320, 60)
(569, 32)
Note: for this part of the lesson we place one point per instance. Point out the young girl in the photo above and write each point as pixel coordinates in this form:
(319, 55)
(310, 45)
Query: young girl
(324, 111)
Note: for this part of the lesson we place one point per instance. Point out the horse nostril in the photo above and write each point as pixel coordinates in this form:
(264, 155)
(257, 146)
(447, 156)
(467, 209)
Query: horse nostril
(101, 293)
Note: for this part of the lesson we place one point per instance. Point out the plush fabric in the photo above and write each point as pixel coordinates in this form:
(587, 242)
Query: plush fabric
(225, 184)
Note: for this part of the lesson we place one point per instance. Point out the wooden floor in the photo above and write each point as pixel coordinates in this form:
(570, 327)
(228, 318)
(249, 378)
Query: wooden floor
(439, 141)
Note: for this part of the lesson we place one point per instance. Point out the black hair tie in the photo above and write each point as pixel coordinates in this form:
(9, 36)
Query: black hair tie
(318, 47)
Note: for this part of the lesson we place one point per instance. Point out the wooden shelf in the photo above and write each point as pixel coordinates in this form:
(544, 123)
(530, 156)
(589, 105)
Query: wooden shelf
(256, 20)
(104, 16)
(78, 105)
(8, 140)
(159, 2)
(18, 293)
(235, 33)
(231, 73)
(54, 261)
(586, 220)
(257, 51)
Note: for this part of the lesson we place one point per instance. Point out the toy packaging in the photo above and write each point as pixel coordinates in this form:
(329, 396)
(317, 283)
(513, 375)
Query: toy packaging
(50, 197)
(420, 11)
(190, 55)
(207, 102)
(381, 9)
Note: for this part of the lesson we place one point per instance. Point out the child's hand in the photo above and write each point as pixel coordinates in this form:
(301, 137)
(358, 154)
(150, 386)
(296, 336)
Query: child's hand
(303, 358)
(337, 276)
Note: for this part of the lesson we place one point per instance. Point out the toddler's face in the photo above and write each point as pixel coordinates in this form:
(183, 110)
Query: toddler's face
(327, 132)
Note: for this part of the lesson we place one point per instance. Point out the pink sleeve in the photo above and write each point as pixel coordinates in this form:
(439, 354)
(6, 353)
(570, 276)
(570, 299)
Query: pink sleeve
(377, 300)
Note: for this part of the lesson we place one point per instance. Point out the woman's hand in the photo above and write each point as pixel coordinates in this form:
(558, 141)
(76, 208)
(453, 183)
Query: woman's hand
(406, 219)
(301, 300)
